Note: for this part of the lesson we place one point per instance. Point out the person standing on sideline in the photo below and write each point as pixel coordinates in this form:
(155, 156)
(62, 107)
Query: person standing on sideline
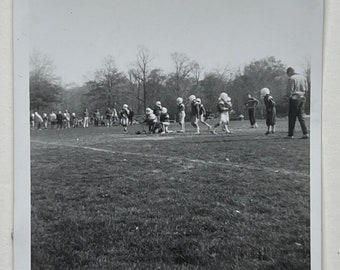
(297, 87)
(45, 120)
(108, 116)
(251, 107)
(59, 120)
(68, 118)
(39, 120)
(53, 119)
(86, 119)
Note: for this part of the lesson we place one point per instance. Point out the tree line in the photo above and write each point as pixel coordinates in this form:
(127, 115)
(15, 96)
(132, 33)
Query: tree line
(141, 86)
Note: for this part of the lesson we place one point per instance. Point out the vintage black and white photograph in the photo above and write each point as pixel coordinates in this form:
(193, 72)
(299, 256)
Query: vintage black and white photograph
(172, 134)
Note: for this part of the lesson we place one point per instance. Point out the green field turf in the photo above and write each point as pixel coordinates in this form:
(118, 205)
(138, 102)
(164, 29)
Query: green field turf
(102, 199)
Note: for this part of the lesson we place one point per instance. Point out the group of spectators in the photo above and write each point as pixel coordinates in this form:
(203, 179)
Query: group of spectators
(63, 120)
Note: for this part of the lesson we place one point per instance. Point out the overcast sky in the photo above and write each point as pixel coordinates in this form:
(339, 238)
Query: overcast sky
(78, 34)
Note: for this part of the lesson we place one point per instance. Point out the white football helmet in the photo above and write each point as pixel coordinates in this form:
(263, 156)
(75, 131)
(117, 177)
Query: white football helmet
(224, 96)
(264, 91)
(148, 111)
(192, 97)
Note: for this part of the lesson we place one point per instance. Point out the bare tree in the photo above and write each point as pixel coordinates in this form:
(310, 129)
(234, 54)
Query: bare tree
(142, 70)
(183, 68)
(196, 71)
(109, 79)
(45, 86)
(135, 84)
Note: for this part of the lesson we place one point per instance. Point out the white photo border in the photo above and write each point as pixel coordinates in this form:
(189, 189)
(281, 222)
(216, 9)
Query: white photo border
(22, 209)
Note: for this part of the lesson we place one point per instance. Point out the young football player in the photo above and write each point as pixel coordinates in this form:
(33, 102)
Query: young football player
(202, 113)
(165, 120)
(251, 107)
(124, 117)
(224, 106)
(150, 120)
(270, 110)
(194, 113)
(181, 113)
(157, 110)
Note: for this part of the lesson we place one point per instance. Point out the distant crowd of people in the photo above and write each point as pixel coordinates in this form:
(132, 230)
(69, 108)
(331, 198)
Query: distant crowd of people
(157, 119)
(63, 120)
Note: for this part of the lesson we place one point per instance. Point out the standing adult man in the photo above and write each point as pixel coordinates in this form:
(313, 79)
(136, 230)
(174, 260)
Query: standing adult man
(86, 118)
(108, 115)
(296, 89)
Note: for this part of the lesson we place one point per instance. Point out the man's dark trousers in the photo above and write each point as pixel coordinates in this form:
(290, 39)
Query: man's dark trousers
(296, 110)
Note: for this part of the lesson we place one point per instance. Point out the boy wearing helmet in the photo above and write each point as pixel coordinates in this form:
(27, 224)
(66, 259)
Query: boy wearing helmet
(270, 110)
(124, 117)
(157, 110)
(150, 120)
(165, 120)
(194, 113)
(223, 108)
(202, 113)
(181, 113)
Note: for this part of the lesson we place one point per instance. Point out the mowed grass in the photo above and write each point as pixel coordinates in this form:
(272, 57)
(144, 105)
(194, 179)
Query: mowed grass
(106, 200)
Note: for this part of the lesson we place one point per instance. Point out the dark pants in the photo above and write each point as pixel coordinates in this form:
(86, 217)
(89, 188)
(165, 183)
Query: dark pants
(296, 110)
(252, 116)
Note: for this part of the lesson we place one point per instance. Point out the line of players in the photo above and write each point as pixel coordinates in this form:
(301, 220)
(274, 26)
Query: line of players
(157, 120)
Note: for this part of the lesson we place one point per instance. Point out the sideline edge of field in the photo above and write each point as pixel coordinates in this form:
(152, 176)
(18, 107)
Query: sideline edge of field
(227, 164)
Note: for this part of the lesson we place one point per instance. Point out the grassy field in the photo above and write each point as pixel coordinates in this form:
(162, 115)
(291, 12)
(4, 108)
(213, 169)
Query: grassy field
(106, 200)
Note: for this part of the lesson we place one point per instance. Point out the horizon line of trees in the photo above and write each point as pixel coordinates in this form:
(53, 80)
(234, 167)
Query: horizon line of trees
(141, 86)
